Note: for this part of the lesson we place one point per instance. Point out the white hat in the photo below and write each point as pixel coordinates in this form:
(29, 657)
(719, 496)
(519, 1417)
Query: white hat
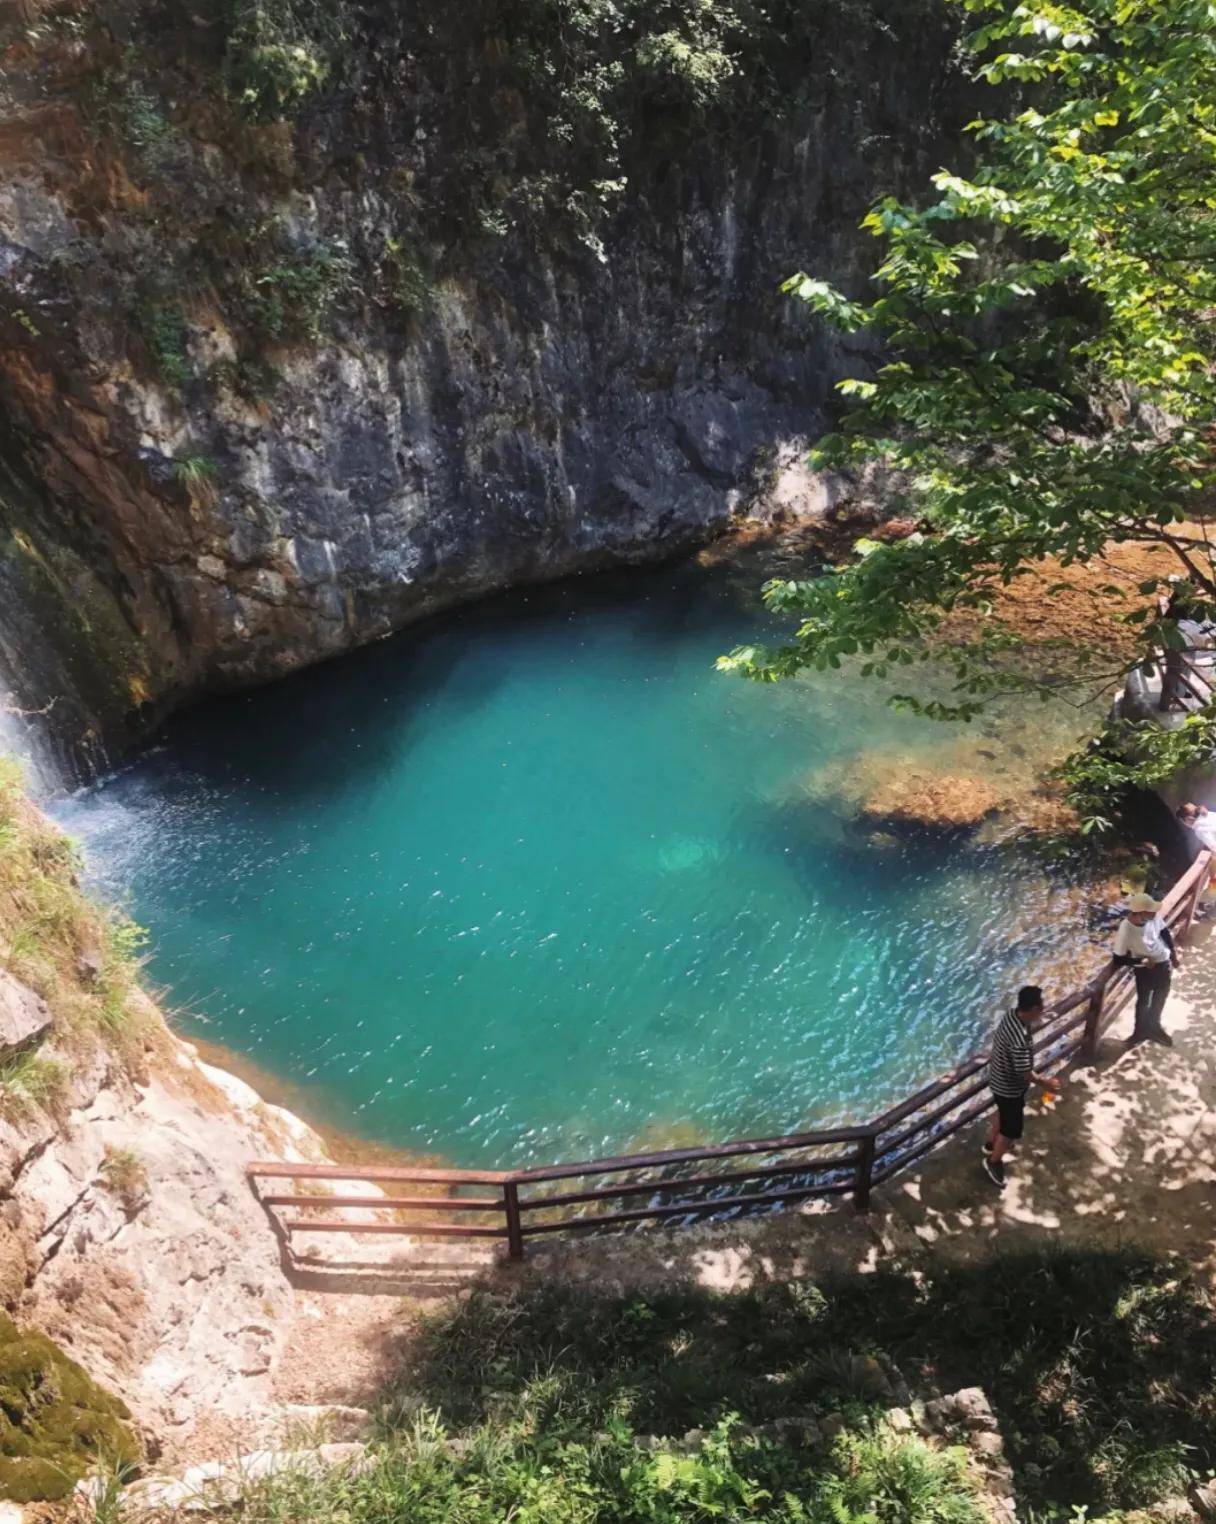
(1143, 902)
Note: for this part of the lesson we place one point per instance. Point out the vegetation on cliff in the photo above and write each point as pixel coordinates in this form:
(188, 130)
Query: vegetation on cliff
(565, 107)
(82, 961)
(1045, 327)
(56, 1423)
(564, 100)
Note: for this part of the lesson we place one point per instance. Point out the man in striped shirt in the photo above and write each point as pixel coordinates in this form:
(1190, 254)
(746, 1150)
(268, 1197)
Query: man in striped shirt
(1010, 1075)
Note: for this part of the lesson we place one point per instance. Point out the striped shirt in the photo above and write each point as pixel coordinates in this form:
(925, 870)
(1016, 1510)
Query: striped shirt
(1012, 1057)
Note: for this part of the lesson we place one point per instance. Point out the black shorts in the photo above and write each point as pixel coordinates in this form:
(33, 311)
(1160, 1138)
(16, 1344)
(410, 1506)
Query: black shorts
(1011, 1111)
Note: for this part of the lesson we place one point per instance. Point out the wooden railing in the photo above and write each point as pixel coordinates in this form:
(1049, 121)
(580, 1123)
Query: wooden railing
(689, 1184)
(1186, 680)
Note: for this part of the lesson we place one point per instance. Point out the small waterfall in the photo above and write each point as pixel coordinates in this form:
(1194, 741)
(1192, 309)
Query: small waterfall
(22, 736)
(53, 763)
(48, 679)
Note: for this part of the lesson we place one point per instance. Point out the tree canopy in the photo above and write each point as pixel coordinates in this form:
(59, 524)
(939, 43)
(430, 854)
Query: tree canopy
(1040, 339)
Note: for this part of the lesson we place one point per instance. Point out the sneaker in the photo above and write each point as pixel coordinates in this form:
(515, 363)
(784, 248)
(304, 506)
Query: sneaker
(985, 1148)
(995, 1171)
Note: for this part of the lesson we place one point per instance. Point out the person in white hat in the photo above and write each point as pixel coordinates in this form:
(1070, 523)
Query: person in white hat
(1143, 943)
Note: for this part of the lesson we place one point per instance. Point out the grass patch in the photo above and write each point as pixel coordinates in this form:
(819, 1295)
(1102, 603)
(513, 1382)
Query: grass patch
(406, 282)
(30, 1080)
(292, 299)
(280, 53)
(248, 377)
(123, 1173)
(118, 103)
(194, 470)
(554, 1473)
(1098, 1365)
(163, 329)
(198, 474)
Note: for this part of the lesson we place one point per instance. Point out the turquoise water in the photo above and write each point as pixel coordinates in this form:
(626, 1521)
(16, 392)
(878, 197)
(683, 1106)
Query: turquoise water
(534, 881)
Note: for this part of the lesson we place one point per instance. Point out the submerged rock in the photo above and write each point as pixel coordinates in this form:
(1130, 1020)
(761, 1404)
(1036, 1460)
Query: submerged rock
(983, 782)
(923, 802)
(685, 853)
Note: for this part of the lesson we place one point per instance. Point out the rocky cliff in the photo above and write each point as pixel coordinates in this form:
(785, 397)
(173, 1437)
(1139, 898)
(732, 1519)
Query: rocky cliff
(128, 1232)
(316, 318)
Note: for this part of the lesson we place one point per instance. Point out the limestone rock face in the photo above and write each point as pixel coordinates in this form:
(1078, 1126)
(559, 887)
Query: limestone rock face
(172, 1297)
(549, 407)
(25, 1017)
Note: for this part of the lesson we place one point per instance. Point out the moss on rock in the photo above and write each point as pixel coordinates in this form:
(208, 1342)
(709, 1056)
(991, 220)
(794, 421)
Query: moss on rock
(55, 1421)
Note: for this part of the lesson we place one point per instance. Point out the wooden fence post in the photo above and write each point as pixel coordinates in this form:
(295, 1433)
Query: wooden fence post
(1171, 681)
(515, 1237)
(1093, 1019)
(1184, 930)
(863, 1173)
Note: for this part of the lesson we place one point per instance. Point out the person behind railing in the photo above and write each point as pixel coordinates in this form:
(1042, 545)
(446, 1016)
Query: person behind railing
(1191, 616)
(1011, 1073)
(1198, 818)
(1144, 944)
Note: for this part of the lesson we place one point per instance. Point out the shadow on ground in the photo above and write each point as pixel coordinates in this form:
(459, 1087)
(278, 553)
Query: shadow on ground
(1097, 1363)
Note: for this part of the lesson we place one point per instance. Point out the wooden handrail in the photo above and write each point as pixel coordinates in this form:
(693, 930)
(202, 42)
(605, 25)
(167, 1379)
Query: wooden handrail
(400, 1174)
(415, 1230)
(878, 1151)
(392, 1203)
(668, 1156)
(684, 1209)
(683, 1182)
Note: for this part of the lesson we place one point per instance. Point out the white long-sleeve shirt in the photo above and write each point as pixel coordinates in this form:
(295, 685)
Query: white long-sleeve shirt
(1151, 941)
(1204, 827)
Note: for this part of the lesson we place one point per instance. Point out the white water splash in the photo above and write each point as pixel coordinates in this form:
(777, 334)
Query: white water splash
(20, 737)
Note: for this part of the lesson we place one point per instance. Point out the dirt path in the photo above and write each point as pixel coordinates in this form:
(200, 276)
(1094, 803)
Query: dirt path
(1129, 1155)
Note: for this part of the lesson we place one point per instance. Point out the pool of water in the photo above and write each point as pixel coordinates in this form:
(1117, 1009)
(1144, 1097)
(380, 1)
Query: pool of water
(534, 881)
